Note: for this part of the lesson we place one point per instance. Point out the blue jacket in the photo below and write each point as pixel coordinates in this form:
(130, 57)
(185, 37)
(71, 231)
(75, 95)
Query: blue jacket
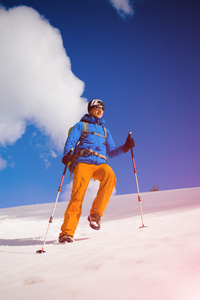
(92, 141)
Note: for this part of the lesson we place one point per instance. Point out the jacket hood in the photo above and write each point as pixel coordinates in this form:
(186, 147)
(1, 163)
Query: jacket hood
(90, 119)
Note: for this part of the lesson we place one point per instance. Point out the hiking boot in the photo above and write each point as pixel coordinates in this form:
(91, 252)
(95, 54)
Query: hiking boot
(65, 238)
(95, 221)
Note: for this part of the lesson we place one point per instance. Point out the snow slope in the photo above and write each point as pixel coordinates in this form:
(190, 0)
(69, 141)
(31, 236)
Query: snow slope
(120, 261)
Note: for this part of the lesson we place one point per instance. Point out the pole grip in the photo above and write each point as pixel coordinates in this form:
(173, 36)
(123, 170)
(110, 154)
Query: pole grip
(129, 134)
(64, 172)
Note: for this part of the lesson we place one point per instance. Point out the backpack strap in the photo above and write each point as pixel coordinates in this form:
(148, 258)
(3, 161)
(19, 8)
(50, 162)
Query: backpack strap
(85, 131)
(84, 152)
(105, 132)
(78, 153)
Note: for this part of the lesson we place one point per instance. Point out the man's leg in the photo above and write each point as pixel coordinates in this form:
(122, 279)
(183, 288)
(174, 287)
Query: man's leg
(106, 176)
(82, 176)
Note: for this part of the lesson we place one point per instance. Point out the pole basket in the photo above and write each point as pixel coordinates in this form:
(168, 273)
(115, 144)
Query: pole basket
(41, 251)
(142, 226)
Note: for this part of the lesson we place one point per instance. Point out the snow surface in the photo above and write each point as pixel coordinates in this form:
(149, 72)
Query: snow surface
(121, 261)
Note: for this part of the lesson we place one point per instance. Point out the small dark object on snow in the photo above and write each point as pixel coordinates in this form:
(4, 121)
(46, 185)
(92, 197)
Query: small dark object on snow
(154, 189)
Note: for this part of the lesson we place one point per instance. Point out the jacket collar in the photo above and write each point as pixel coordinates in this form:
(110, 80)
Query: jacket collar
(90, 119)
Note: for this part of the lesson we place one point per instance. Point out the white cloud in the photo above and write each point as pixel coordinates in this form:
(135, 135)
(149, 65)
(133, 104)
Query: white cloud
(3, 163)
(90, 193)
(53, 154)
(123, 7)
(46, 155)
(37, 85)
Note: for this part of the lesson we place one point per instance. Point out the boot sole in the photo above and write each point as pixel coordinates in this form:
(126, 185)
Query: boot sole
(66, 240)
(94, 227)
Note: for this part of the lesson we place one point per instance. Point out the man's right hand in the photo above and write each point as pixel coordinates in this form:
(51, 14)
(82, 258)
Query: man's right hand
(67, 158)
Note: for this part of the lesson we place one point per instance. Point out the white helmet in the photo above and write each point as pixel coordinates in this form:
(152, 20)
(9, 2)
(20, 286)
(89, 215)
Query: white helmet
(93, 103)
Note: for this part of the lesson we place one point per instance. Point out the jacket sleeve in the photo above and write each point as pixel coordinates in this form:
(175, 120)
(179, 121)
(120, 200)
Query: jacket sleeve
(111, 150)
(73, 137)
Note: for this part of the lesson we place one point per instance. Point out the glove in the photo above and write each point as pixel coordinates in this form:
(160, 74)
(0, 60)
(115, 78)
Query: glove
(67, 158)
(129, 144)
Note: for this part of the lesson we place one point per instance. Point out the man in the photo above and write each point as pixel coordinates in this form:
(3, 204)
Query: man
(90, 162)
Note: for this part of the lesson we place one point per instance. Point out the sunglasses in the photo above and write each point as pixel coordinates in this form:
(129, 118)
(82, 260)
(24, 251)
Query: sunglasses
(99, 107)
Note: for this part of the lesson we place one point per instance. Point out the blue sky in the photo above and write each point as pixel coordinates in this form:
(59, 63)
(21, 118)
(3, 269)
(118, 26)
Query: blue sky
(143, 62)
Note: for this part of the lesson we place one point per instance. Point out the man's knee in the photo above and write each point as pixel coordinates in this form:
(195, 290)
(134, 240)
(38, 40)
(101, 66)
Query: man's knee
(105, 172)
(111, 174)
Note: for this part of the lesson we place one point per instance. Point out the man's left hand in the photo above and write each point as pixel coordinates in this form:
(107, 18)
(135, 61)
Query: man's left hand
(129, 144)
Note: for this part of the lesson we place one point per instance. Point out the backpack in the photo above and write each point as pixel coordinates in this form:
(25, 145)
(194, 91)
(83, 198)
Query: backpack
(78, 153)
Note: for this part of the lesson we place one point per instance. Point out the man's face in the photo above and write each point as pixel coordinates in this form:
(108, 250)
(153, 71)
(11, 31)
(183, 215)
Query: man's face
(97, 111)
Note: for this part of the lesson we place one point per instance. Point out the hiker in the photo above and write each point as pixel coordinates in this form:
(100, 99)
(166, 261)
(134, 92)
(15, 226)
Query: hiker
(90, 162)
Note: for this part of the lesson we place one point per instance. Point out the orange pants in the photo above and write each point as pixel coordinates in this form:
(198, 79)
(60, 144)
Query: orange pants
(82, 175)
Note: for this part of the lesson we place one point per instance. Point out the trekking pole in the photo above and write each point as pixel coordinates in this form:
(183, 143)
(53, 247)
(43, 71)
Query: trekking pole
(54, 207)
(136, 180)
